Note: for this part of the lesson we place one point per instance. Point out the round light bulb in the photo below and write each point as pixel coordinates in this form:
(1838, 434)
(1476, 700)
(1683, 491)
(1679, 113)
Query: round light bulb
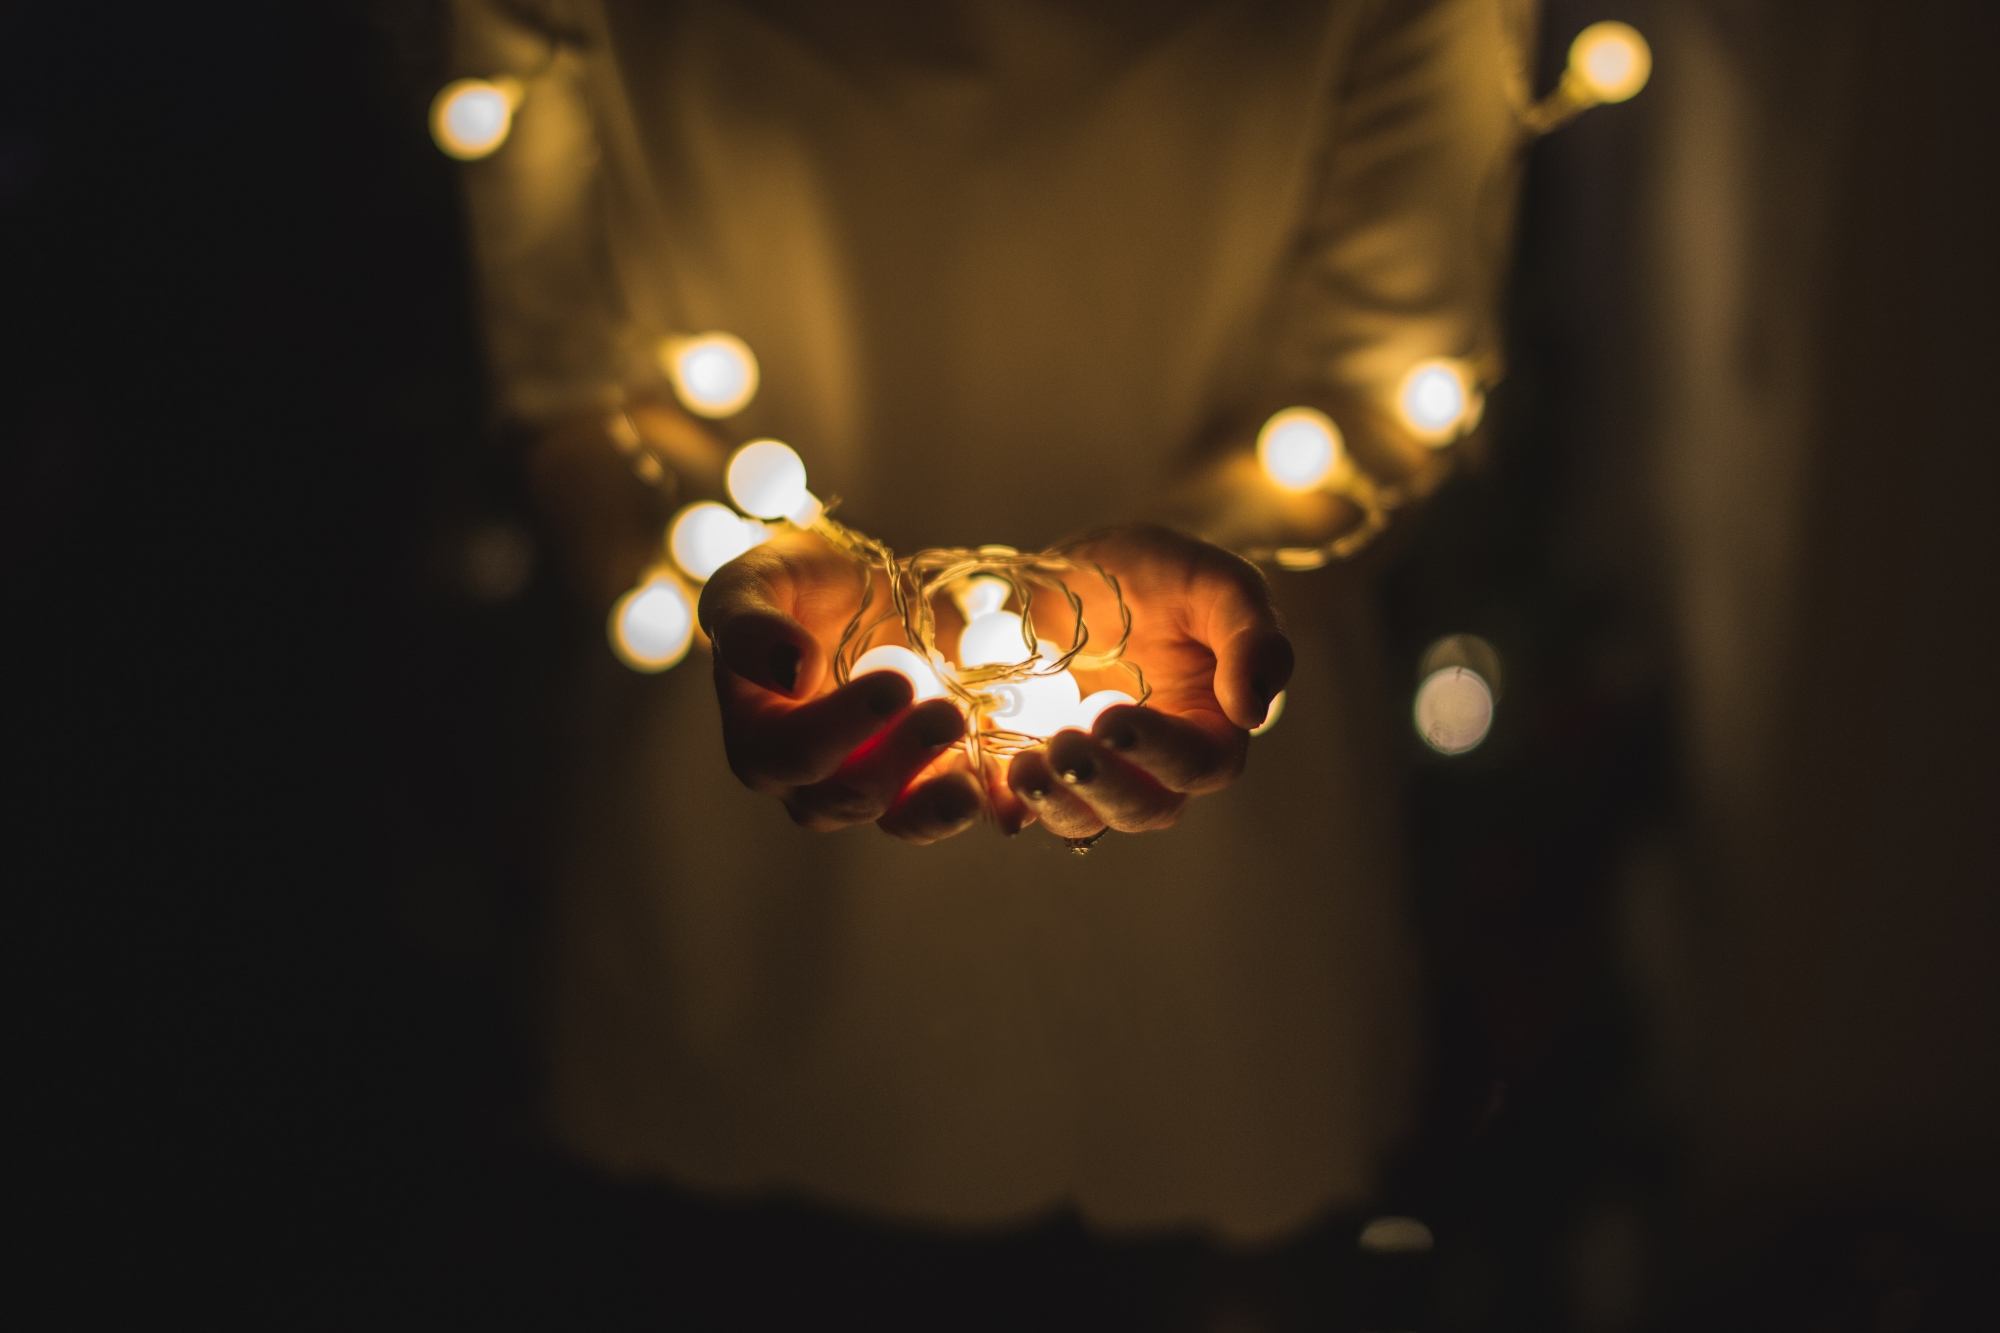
(1435, 399)
(924, 682)
(652, 625)
(471, 118)
(706, 536)
(1037, 706)
(769, 480)
(1298, 448)
(1271, 715)
(994, 639)
(1454, 710)
(714, 375)
(1094, 704)
(1611, 60)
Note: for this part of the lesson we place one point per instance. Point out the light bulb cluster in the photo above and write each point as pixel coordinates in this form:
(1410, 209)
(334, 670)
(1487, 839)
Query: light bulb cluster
(1037, 700)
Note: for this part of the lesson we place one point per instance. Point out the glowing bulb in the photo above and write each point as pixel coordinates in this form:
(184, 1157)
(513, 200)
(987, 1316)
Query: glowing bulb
(1276, 711)
(471, 118)
(1435, 400)
(994, 639)
(1038, 706)
(922, 676)
(1611, 61)
(1298, 448)
(1093, 704)
(652, 625)
(981, 595)
(1454, 710)
(714, 375)
(767, 479)
(707, 536)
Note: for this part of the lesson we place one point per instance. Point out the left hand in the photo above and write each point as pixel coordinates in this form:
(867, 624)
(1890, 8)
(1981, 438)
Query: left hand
(1206, 635)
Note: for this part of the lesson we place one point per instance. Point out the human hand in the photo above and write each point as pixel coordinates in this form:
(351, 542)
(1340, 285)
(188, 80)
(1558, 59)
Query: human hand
(1205, 633)
(834, 756)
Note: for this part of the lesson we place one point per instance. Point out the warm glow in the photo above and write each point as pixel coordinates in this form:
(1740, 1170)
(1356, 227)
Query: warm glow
(1276, 711)
(993, 639)
(1093, 704)
(924, 682)
(1298, 448)
(707, 536)
(1435, 399)
(1611, 61)
(1395, 1235)
(768, 479)
(652, 625)
(714, 375)
(471, 118)
(1037, 705)
(1454, 710)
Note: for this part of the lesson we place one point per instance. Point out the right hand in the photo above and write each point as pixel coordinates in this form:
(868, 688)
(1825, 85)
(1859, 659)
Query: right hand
(834, 756)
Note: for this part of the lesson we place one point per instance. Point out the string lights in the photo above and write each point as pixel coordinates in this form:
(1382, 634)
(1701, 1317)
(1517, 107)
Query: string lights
(1014, 688)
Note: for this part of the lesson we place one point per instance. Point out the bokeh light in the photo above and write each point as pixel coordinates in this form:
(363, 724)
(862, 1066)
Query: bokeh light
(1395, 1235)
(768, 479)
(1454, 709)
(706, 536)
(1298, 448)
(714, 375)
(471, 118)
(1611, 61)
(652, 625)
(1435, 399)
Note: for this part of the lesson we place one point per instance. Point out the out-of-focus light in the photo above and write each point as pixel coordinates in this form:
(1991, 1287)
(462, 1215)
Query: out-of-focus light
(1095, 703)
(1468, 651)
(923, 678)
(714, 375)
(652, 625)
(706, 536)
(1610, 61)
(1435, 400)
(768, 479)
(471, 118)
(1298, 448)
(1277, 710)
(1454, 709)
(1395, 1235)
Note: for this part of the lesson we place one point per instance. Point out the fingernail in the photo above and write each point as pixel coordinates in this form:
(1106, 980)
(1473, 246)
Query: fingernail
(784, 661)
(1037, 793)
(939, 726)
(1121, 737)
(889, 693)
(1082, 770)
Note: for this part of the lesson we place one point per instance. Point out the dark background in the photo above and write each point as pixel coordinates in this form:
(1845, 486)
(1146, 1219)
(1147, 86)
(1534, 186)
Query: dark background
(279, 752)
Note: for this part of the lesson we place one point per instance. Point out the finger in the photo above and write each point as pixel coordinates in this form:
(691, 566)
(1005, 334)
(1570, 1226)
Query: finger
(1123, 796)
(1194, 753)
(868, 782)
(1065, 813)
(1230, 610)
(934, 808)
(1010, 812)
(767, 612)
(772, 745)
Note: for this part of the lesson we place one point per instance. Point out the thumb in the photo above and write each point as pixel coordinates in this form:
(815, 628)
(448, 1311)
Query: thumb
(743, 611)
(1253, 658)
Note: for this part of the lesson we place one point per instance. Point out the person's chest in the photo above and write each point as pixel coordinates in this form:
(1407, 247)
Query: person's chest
(979, 246)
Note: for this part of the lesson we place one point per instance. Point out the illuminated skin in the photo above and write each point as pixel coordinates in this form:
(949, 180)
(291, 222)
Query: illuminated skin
(1203, 629)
